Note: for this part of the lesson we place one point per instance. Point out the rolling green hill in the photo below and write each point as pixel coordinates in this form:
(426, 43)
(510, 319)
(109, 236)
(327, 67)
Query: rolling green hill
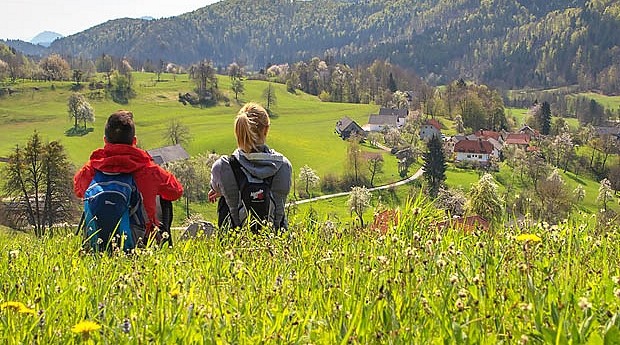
(303, 128)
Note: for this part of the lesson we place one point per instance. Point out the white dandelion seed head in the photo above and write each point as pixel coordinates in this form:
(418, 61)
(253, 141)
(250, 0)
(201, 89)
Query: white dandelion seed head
(584, 304)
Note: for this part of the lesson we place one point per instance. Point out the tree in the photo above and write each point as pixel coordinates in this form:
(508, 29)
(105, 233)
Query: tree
(54, 68)
(177, 133)
(269, 94)
(185, 171)
(122, 90)
(473, 113)
(195, 175)
(392, 137)
(309, 178)
(203, 75)
(77, 77)
(80, 110)
(605, 193)
(451, 200)
(375, 165)
(104, 64)
(458, 124)
(554, 197)
(579, 193)
(485, 200)
(39, 184)
(374, 138)
(359, 201)
(354, 158)
(392, 83)
(400, 100)
(434, 165)
(234, 71)
(544, 118)
(237, 87)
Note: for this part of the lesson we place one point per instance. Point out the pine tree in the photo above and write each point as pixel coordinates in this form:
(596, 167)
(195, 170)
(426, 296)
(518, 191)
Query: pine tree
(545, 118)
(434, 166)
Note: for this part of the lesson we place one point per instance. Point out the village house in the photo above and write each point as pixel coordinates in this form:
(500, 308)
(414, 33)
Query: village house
(430, 129)
(449, 143)
(346, 127)
(168, 154)
(486, 135)
(387, 118)
(522, 140)
(479, 151)
(529, 131)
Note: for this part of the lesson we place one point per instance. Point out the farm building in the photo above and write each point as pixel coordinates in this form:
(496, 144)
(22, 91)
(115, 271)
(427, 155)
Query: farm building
(168, 154)
(346, 127)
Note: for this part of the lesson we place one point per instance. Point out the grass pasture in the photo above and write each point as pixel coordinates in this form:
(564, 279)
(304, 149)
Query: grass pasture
(303, 129)
(321, 283)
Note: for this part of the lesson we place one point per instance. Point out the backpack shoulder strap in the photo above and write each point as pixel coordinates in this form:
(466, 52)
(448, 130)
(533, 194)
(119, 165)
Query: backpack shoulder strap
(236, 168)
(240, 175)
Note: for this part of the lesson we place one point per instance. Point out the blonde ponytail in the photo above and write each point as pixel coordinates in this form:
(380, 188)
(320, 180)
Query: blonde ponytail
(251, 126)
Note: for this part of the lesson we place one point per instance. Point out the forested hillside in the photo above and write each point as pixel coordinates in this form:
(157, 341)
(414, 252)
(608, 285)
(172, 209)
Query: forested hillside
(506, 43)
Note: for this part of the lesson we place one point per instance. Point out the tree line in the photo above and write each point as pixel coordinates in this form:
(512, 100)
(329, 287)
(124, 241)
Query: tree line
(504, 43)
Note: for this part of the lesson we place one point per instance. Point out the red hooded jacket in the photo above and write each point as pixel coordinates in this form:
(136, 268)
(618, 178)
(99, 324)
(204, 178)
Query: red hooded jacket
(151, 179)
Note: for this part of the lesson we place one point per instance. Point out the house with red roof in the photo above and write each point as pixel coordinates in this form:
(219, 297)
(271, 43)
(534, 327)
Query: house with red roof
(479, 151)
(522, 140)
(486, 135)
(430, 129)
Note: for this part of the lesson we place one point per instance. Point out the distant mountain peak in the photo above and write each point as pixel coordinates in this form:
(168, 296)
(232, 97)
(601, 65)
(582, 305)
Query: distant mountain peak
(45, 38)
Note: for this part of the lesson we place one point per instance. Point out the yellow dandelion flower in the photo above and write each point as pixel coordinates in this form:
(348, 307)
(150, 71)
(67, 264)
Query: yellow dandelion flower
(27, 311)
(85, 327)
(15, 306)
(528, 238)
(175, 293)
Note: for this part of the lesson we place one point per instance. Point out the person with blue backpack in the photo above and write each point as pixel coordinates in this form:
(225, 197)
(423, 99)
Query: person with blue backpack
(120, 185)
(254, 180)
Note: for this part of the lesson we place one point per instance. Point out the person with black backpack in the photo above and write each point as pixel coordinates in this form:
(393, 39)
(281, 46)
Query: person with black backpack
(120, 186)
(254, 180)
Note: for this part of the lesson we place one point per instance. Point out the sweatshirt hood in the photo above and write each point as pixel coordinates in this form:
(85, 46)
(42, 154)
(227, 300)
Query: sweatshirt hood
(261, 164)
(119, 158)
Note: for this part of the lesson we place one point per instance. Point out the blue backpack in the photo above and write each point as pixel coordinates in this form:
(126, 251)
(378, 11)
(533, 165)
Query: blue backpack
(114, 215)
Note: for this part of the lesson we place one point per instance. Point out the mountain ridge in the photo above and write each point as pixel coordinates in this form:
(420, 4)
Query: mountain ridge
(507, 43)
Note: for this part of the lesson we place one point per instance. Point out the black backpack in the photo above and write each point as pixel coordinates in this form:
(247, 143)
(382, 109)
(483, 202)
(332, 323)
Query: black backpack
(255, 197)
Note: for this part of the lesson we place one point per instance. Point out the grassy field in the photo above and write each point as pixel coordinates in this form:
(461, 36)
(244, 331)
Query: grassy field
(609, 102)
(323, 282)
(520, 115)
(303, 129)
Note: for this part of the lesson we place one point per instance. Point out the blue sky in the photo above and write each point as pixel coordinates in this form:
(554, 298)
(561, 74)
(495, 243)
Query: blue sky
(24, 19)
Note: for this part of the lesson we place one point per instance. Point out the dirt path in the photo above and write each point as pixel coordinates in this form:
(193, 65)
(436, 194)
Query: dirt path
(395, 184)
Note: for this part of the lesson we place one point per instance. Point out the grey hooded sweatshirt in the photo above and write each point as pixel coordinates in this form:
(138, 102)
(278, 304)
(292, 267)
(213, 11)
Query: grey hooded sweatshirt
(261, 164)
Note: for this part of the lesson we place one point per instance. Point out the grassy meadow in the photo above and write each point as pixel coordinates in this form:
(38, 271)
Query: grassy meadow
(303, 129)
(323, 282)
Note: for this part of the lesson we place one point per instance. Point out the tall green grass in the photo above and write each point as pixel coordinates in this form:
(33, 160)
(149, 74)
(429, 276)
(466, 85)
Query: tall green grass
(323, 282)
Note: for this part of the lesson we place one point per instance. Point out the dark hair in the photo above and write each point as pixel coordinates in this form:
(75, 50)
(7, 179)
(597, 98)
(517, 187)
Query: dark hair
(119, 129)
